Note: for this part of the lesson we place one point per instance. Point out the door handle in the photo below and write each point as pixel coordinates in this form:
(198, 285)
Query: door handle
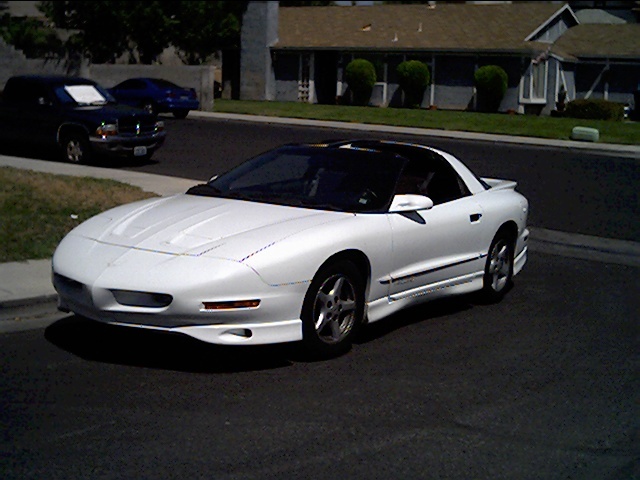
(475, 217)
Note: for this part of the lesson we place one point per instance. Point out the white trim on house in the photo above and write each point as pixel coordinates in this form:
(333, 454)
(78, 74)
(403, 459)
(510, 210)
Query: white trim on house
(551, 19)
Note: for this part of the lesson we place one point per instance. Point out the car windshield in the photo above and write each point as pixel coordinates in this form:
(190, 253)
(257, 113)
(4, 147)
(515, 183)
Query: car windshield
(86, 94)
(341, 179)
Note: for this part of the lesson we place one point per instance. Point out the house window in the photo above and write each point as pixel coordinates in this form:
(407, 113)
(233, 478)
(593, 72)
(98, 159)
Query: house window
(539, 81)
(533, 85)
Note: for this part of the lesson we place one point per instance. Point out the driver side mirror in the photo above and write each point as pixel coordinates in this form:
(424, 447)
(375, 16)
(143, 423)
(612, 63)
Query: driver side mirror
(410, 203)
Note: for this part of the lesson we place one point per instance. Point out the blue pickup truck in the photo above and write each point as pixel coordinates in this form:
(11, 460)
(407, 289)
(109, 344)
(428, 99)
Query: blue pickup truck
(78, 116)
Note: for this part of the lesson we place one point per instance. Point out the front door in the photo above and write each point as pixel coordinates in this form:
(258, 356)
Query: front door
(438, 251)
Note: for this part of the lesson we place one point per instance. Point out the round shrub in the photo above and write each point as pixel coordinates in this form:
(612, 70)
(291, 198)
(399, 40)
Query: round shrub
(413, 78)
(594, 109)
(361, 77)
(491, 85)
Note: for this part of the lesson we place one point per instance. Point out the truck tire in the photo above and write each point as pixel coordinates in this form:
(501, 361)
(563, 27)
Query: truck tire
(76, 148)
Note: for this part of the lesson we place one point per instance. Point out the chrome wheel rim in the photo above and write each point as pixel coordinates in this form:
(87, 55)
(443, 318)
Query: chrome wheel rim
(500, 266)
(334, 309)
(74, 151)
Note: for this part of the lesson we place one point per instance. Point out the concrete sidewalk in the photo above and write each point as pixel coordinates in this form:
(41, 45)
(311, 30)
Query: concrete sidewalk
(23, 283)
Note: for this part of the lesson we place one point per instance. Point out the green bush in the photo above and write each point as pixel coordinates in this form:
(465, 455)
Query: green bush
(594, 110)
(491, 85)
(413, 78)
(361, 77)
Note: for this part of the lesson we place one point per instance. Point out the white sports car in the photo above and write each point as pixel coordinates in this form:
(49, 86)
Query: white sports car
(301, 243)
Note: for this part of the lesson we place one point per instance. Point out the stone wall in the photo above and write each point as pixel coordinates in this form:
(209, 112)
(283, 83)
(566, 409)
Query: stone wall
(13, 62)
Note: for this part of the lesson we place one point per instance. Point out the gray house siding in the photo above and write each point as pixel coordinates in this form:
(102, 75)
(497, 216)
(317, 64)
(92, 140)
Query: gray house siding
(453, 80)
(554, 29)
(285, 67)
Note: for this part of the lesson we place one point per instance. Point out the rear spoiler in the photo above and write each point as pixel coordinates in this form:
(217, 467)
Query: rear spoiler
(498, 184)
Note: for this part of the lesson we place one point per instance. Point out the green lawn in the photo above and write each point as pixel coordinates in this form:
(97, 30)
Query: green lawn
(623, 132)
(38, 209)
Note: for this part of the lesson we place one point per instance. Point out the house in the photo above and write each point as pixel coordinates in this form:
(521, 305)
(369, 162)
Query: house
(300, 53)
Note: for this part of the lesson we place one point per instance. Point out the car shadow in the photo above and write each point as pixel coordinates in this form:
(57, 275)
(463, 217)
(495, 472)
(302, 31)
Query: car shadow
(431, 310)
(54, 155)
(99, 342)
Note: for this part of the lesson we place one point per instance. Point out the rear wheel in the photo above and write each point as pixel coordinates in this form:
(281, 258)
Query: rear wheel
(332, 310)
(76, 148)
(181, 113)
(498, 272)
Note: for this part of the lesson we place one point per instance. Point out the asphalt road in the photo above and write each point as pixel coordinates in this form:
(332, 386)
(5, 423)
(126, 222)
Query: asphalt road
(543, 385)
(569, 190)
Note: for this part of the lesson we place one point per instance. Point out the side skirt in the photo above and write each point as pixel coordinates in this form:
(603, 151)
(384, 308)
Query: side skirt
(383, 307)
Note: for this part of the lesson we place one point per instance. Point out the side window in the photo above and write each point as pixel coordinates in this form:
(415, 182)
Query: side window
(36, 95)
(129, 85)
(434, 178)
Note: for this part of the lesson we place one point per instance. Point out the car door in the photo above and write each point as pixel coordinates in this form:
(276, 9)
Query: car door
(35, 115)
(438, 247)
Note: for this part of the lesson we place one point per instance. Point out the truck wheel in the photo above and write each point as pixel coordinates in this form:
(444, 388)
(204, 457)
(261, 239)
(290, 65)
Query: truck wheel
(75, 148)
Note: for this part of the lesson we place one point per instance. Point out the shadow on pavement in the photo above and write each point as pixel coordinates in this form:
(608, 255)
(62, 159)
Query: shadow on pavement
(54, 155)
(420, 313)
(100, 342)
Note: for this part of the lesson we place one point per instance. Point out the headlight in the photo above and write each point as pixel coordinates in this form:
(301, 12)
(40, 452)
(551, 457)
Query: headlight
(107, 129)
(159, 126)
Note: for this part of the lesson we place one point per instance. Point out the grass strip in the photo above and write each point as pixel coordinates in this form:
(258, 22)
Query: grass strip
(38, 209)
(618, 132)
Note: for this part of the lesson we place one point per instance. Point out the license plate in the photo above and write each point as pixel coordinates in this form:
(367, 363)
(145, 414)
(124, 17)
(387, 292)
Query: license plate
(139, 151)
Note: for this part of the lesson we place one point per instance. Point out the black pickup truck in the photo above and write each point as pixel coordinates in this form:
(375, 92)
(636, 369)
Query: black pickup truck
(78, 116)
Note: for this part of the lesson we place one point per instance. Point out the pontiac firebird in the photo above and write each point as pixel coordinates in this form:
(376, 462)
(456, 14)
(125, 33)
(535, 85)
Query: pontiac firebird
(302, 243)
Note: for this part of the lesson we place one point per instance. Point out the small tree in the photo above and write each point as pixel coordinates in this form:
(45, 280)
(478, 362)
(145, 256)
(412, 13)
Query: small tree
(361, 77)
(491, 84)
(413, 78)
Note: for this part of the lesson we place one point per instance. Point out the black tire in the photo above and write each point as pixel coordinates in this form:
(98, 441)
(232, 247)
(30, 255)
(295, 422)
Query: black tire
(181, 113)
(498, 272)
(332, 310)
(76, 148)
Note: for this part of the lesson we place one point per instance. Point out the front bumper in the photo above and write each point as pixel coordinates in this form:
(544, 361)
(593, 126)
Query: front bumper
(236, 334)
(92, 288)
(122, 146)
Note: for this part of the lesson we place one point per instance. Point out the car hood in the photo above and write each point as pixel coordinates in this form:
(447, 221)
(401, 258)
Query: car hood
(113, 111)
(196, 226)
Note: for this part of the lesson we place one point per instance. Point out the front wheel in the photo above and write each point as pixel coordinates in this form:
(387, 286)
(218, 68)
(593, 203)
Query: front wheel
(76, 148)
(332, 311)
(498, 272)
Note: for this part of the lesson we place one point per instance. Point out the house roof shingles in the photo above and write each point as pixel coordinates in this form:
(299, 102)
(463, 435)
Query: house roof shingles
(445, 27)
(600, 40)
